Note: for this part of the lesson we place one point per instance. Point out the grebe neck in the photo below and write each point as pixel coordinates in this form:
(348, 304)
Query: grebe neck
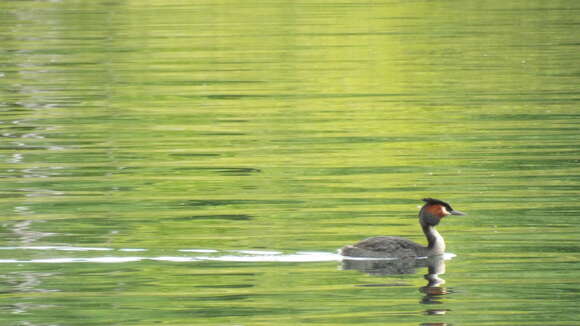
(436, 244)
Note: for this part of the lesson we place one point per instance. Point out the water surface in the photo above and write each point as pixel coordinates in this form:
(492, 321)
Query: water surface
(200, 162)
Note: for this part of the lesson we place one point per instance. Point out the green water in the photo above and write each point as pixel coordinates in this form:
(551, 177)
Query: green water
(199, 162)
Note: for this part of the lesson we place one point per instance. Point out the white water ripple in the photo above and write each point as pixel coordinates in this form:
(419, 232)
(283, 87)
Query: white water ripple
(59, 248)
(216, 255)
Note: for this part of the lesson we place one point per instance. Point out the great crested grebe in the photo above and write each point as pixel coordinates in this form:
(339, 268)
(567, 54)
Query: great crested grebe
(394, 247)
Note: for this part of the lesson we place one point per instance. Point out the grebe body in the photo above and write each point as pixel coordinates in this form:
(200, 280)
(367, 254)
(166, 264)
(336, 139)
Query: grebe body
(394, 247)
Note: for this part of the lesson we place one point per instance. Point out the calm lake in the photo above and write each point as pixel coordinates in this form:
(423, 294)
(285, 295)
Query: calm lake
(200, 162)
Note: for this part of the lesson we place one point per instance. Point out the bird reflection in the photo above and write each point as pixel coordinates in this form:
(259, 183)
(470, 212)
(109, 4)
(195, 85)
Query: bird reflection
(433, 291)
(381, 267)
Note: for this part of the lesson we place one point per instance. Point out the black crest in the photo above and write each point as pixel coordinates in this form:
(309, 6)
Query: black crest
(433, 201)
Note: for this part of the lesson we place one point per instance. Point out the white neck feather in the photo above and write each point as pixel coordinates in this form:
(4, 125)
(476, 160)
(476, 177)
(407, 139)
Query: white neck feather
(438, 245)
(436, 241)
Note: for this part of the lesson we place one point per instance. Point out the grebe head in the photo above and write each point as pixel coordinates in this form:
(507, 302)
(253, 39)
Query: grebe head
(434, 210)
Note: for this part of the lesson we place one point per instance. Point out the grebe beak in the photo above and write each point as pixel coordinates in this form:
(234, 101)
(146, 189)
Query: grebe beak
(459, 213)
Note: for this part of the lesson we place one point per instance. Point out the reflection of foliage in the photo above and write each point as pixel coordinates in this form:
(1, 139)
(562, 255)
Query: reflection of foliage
(282, 125)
